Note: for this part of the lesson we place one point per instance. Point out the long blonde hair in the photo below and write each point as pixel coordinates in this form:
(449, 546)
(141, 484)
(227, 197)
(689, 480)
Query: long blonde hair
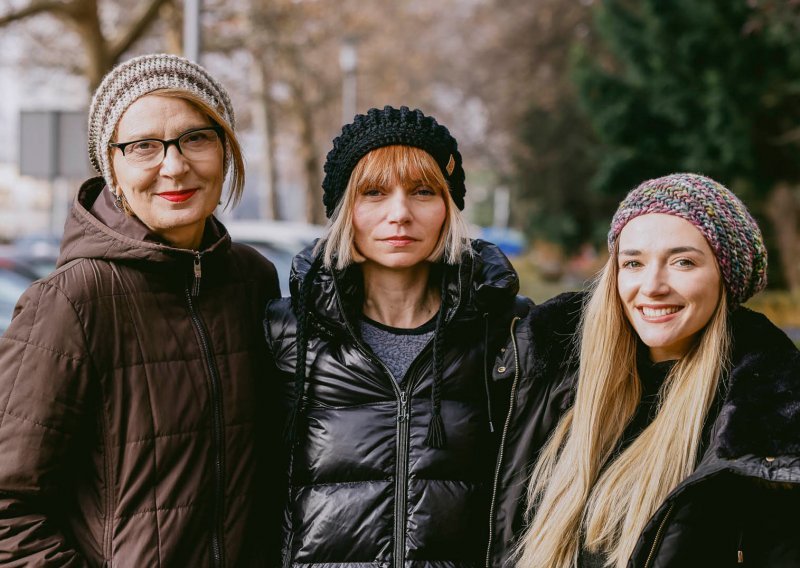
(382, 167)
(576, 498)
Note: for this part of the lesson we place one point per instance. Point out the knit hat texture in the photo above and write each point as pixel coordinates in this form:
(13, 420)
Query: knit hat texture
(717, 213)
(388, 127)
(129, 81)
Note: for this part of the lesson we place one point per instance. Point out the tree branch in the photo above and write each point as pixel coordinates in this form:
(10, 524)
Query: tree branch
(32, 9)
(136, 30)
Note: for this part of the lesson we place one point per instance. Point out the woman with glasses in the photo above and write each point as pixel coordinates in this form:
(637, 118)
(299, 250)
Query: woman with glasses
(656, 421)
(129, 378)
(386, 347)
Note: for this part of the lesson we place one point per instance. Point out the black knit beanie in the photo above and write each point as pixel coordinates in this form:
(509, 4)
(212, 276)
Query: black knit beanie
(388, 127)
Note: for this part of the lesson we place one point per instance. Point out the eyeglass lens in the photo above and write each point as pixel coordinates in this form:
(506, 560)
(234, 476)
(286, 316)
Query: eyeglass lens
(197, 144)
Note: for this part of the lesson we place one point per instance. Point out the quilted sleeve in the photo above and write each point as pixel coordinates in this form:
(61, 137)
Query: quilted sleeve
(44, 391)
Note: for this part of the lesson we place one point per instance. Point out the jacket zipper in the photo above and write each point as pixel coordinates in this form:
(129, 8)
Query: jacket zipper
(503, 442)
(402, 481)
(216, 426)
(657, 539)
(108, 533)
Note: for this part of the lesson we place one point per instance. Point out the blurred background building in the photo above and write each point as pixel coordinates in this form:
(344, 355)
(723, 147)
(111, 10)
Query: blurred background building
(559, 106)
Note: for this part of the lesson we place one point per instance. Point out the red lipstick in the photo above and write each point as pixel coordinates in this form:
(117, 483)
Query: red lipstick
(177, 196)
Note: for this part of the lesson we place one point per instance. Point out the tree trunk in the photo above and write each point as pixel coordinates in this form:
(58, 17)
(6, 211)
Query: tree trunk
(85, 17)
(783, 210)
(263, 119)
(314, 210)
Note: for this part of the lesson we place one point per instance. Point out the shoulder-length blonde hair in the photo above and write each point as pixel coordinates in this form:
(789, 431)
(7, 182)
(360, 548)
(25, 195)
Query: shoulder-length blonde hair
(231, 147)
(576, 498)
(382, 167)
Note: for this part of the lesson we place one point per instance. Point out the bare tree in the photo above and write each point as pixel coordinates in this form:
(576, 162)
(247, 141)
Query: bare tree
(101, 48)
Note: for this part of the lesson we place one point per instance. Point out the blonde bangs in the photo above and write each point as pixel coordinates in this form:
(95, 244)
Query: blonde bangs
(398, 164)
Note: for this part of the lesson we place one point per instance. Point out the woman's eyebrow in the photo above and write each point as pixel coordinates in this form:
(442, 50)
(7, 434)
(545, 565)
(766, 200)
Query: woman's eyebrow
(630, 252)
(678, 250)
(673, 250)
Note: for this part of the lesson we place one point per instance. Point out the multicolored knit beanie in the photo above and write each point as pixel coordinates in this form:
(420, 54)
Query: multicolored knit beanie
(388, 127)
(129, 81)
(717, 213)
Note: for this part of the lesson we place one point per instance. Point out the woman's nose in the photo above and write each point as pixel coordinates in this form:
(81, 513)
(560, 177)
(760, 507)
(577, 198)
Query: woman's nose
(654, 281)
(398, 209)
(174, 163)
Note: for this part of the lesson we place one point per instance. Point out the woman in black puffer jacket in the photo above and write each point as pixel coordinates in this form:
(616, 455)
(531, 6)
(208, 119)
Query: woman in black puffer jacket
(385, 345)
(655, 422)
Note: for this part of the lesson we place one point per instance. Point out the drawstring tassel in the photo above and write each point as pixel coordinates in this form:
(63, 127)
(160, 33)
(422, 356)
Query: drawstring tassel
(436, 437)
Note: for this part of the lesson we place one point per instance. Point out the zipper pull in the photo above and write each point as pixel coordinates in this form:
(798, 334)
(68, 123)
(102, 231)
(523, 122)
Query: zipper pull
(740, 551)
(198, 273)
(403, 411)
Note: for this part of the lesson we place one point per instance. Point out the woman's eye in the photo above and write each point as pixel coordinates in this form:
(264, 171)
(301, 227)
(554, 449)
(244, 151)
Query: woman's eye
(684, 262)
(424, 190)
(143, 148)
(371, 192)
(631, 264)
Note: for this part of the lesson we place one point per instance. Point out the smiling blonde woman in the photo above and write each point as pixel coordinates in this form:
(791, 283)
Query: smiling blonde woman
(655, 421)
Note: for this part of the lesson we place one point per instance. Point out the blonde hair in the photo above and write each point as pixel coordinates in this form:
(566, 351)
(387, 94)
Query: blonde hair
(231, 146)
(383, 167)
(574, 497)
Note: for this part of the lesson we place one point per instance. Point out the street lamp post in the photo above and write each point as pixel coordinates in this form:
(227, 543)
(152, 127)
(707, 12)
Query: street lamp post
(348, 61)
(191, 29)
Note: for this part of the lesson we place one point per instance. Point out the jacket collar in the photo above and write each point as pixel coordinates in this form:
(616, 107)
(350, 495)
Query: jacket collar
(483, 282)
(96, 229)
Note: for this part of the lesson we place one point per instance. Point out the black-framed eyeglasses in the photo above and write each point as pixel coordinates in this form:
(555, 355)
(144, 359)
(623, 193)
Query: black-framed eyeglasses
(194, 144)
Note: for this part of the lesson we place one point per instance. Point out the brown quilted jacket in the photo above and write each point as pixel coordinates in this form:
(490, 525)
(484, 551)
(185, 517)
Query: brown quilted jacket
(130, 425)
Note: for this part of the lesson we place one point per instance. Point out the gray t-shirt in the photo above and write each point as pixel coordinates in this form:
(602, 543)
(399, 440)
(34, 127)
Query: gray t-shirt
(396, 347)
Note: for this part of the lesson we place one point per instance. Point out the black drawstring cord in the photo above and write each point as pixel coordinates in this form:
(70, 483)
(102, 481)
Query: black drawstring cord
(301, 313)
(436, 437)
(486, 370)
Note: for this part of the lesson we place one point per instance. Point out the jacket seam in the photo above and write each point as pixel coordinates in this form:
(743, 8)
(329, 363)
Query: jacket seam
(29, 343)
(146, 382)
(88, 353)
(32, 421)
(5, 412)
(182, 433)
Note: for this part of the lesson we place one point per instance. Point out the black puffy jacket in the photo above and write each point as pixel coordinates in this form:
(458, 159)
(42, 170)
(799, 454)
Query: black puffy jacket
(365, 489)
(742, 502)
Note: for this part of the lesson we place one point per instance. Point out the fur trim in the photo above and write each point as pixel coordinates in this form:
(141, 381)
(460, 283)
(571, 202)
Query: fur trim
(761, 412)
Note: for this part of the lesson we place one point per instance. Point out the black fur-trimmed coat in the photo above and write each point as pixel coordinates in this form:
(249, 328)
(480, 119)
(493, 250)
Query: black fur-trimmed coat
(741, 505)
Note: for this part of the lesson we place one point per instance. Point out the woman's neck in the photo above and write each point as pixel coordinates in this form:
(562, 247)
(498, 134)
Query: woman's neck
(402, 298)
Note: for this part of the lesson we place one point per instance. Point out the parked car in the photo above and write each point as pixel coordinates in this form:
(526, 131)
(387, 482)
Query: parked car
(14, 280)
(38, 251)
(279, 241)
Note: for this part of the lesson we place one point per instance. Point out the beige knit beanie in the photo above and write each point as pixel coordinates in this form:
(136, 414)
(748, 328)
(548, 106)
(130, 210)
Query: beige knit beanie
(137, 77)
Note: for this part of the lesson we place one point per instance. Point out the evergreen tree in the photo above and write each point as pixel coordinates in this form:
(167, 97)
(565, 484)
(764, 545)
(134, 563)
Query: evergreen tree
(711, 87)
